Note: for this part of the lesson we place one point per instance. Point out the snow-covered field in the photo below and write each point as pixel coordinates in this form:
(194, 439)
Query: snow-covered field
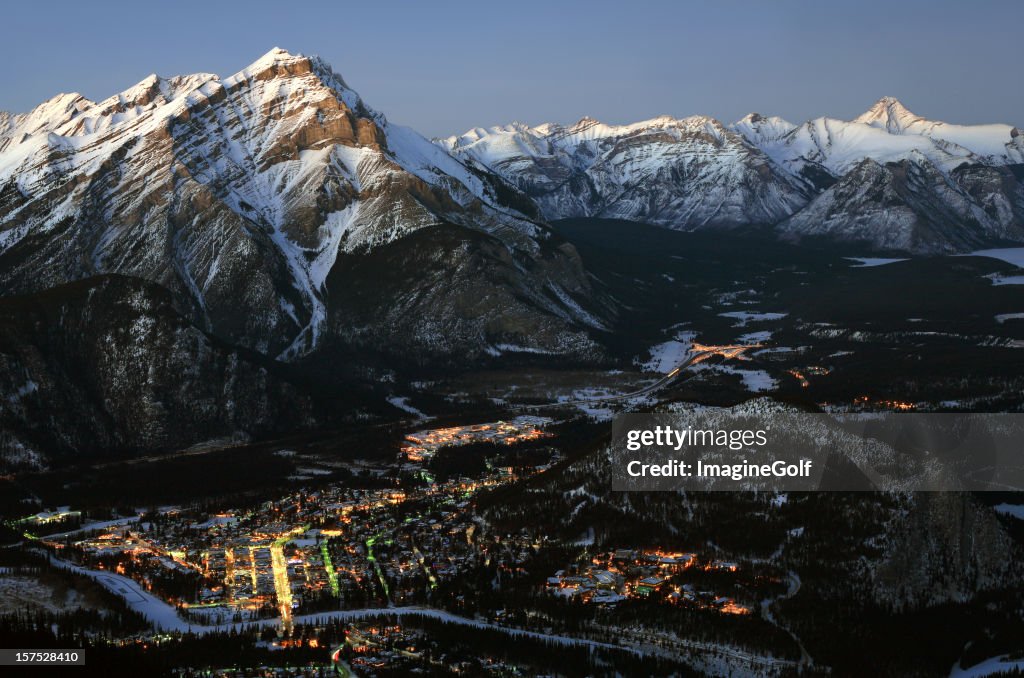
(987, 668)
(1011, 255)
(95, 525)
(1015, 510)
(1006, 279)
(402, 403)
(597, 412)
(754, 381)
(754, 337)
(865, 262)
(666, 356)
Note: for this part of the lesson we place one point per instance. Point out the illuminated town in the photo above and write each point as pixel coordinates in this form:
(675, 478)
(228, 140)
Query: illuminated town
(422, 445)
(612, 577)
(349, 546)
(331, 549)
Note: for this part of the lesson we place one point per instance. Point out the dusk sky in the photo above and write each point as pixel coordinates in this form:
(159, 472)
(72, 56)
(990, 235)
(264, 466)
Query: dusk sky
(443, 67)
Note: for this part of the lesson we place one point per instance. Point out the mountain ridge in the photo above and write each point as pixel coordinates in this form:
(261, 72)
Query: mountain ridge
(781, 172)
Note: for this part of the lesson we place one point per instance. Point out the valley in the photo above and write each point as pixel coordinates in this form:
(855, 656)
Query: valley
(301, 539)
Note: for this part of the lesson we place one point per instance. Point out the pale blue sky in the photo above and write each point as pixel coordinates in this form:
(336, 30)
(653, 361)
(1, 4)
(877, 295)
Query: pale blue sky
(443, 67)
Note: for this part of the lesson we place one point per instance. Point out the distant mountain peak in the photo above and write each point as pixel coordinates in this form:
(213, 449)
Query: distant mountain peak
(278, 54)
(888, 113)
(584, 123)
(758, 128)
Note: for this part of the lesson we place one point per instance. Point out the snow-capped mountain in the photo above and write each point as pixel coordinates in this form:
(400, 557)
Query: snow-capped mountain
(689, 173)
(888, 178)
(887, 132)
(239, 194)
(899, 181)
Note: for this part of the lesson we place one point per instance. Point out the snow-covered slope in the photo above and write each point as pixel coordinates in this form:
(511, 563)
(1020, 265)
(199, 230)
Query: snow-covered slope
(893, 179)
(910, 183)
(688, 173)
(999, 144)
(887, 132)
(238, 194)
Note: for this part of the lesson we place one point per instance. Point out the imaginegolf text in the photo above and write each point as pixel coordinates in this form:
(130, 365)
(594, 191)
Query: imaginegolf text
(681, 469)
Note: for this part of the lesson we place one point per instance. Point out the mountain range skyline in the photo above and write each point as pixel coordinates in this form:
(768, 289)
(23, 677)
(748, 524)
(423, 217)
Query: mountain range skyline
(445, 70)
(762, 112)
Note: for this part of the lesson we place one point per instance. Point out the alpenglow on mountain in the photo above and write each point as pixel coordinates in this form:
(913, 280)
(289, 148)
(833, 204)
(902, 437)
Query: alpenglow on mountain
(889, 178)
(284, 215)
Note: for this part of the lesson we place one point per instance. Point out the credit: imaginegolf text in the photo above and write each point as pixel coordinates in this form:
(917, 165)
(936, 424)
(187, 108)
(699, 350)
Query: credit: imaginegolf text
(712, 449)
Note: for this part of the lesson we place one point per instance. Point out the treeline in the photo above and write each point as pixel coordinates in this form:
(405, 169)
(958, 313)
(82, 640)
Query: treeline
(474, 649)
(34, 627)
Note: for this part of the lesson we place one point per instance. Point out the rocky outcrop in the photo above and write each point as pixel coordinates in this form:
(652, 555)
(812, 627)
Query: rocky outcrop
(108, 366)
(446, 295)
(945, 548)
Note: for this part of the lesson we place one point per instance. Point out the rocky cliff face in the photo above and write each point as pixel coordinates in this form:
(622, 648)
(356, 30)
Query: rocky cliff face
(687, 174)
(888, 179)
(944, 548)
(912, 205)
(107, 365)
(895, 180)
(445, 295)
(238, 194)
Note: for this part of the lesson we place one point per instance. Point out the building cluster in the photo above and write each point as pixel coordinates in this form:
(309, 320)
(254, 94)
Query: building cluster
(421, 446)
(309, 551)
(623, 574)
(867, 403)
(373, 648)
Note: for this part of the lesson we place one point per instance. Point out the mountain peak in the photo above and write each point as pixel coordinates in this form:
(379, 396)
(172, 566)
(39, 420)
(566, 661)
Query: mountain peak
(584, 122)
(277, 62)
(279, 54)
(757, 128)
(888, 113)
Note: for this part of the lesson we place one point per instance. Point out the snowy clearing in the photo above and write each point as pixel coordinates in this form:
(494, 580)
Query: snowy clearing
(1015, 510)
(754, 381)
(867, 262)
(1006, 279)
(987, 667)
(1011, 255)
(402, 403)
(666, 356)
